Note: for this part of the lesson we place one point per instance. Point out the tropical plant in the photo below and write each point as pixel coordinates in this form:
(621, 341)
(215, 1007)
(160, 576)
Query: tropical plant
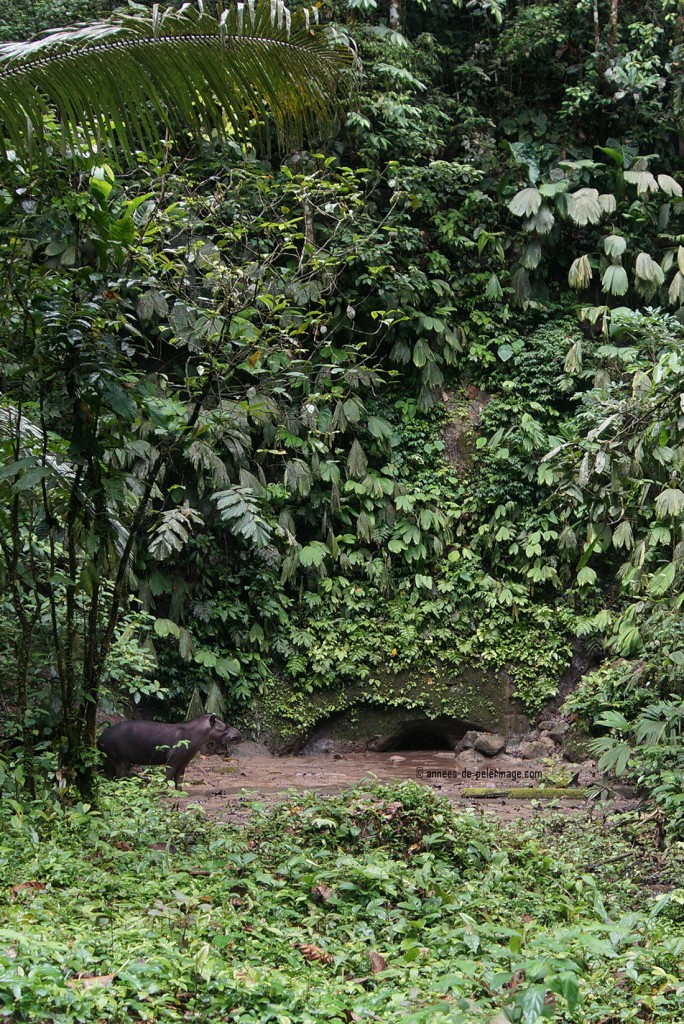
(181, 71)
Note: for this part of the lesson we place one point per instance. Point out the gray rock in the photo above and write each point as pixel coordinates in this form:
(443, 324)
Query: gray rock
(490, 743)
(534, 750)
(248, 748)
(558, 732)
(467, 742)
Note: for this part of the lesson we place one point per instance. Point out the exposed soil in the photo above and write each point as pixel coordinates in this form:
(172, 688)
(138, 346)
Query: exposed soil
(226, 787)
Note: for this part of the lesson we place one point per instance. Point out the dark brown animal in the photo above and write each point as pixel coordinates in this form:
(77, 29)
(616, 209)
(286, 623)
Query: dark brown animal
(172, 744)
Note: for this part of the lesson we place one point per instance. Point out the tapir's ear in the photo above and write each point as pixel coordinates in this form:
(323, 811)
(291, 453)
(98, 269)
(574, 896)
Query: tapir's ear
(212, 720)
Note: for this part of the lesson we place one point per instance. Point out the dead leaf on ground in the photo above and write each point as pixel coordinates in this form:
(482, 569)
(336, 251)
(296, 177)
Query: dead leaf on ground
(378, 963)
(90, 981)
(322, 890)
(27, 886)
(314, 954)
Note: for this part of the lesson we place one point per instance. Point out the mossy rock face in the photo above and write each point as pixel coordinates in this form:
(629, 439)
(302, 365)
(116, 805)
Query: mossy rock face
(576, 745)
(391, 711)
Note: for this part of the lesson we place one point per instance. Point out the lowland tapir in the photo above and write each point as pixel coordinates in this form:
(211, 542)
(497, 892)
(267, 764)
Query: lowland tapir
(172, 744)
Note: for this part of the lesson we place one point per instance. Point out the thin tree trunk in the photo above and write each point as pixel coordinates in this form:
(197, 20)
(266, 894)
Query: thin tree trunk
(613, 26)
(395, 15)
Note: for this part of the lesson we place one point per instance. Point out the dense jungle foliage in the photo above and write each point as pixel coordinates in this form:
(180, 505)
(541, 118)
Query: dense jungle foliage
(300, 430)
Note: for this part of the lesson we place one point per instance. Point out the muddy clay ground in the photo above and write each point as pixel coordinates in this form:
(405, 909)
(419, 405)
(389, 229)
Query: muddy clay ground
(226, 786)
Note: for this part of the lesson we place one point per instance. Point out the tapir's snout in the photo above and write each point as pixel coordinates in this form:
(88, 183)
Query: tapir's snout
(232, 735)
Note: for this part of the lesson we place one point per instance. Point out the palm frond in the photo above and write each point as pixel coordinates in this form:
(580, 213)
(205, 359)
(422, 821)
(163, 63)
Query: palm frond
(119, 81)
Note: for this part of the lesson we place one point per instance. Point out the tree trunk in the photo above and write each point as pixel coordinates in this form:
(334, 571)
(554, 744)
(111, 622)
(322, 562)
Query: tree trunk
(395, 15)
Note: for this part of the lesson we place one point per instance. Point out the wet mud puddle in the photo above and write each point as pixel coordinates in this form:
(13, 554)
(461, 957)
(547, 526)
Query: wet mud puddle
(225, 787)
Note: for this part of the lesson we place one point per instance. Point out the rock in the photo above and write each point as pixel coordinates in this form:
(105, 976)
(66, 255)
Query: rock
(319, 745)
(468, 741)
(576, 745)
(489, 743)
(248, 748)
(396, 759)
(534, 750)
(533, 734)
(558, 732)
(513, 746)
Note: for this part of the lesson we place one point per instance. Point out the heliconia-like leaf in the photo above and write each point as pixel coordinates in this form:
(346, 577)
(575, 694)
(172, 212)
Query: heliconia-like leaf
(669, 185)
(607, 202)
(116, 84)
(521, 285)
(680, 259)
(525, 203)
(614, 280)
(676, 290)
(622, 536)
(669, 502)
(580, 273)
(541, 222)
(644, 181)
(532, 254)
(493, 289)
(661, 581)
(582, 206)
(614, 245)
(648, 270)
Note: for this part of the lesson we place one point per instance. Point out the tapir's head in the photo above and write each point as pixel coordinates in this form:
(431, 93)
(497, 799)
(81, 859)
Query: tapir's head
(225, 733)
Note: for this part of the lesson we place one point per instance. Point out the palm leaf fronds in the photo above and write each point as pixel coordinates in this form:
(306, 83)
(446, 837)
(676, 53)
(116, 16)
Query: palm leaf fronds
(119, 81)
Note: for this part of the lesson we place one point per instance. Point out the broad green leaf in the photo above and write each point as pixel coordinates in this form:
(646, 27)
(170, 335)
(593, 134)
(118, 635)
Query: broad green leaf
(612, 720)
(607, 203)
(314, 554)
(379, 427)
(532, 1004)
(165, 627)
(616, 758)
(421, 352)
(662, 580)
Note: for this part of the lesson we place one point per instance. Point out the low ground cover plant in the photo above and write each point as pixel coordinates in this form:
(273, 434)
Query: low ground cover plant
(382, 904)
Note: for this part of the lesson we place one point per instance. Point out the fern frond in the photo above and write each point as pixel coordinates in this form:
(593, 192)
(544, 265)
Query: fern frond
(173, 530)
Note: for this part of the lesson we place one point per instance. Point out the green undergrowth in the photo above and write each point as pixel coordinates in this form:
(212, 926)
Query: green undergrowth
(382, 904)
